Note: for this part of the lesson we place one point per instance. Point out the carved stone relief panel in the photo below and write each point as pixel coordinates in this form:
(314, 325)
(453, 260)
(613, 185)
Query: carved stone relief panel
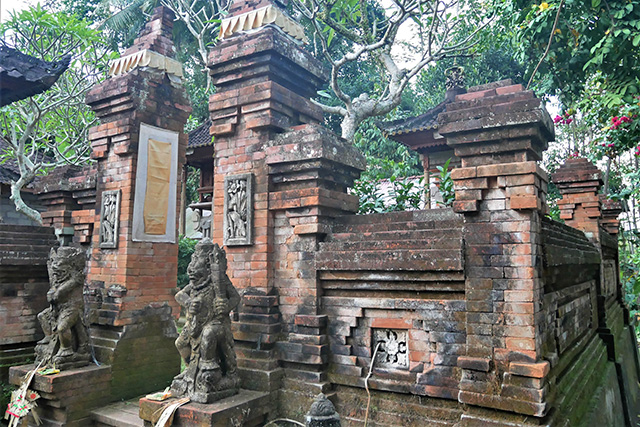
(609, 277)
(109, 213)
(238, 209)
(393, 352)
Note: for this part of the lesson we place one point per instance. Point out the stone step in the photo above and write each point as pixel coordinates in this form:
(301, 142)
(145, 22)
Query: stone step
(26, 246)
(105, 332)
(28, 238)
(374, 227)
(392, 260)
(104, 342)
(119, 414)
(432, 239)
(399, 235)
(25, 230)
(437, 215)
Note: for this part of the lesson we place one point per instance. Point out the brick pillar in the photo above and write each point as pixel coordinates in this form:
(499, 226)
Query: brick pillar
(264, 80)
(142, 109)
(581, 207)
(310, 169)
(499, 132)
(611, 209)
(579, 181)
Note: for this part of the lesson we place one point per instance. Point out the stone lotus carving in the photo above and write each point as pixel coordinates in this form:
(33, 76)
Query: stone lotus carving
(393, 350)
(66, 342)
(206, 342)
(237, 210)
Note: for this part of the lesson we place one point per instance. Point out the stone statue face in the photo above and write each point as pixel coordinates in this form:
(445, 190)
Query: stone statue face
(198, 268)
(63, 263)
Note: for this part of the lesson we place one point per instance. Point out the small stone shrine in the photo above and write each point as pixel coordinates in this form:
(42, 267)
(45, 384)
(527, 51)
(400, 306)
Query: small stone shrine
(66, 342)
(206, 342)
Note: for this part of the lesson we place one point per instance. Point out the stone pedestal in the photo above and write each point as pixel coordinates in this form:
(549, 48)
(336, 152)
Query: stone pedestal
(247, 408)
(68, 397)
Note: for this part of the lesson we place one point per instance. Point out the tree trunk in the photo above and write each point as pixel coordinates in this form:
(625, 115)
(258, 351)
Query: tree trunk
(16, 198)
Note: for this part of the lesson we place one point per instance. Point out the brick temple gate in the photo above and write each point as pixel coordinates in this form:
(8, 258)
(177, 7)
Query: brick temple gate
(485, 314)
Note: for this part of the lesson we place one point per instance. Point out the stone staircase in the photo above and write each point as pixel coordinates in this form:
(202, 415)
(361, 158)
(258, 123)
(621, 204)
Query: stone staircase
(104, 340)
(25, 244)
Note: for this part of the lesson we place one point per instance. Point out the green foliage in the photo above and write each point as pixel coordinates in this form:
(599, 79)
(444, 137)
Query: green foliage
(591, 37)
(446, 185)
(61, 118)
(385, 157)
(630, 272)
(5, 395)
(193, 183)
(405, 192)
(54, 123)
(186, 247)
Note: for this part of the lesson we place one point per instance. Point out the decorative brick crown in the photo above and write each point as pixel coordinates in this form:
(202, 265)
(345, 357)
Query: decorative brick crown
(579, 174)
(247, 15)
(153, 48)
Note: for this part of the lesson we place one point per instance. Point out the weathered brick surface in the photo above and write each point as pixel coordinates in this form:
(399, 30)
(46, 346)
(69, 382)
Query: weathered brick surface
(24, 283)
(400, 271)
(129, 290)
(66, 399)
(144, 273)
(69, 195)
(495, 301)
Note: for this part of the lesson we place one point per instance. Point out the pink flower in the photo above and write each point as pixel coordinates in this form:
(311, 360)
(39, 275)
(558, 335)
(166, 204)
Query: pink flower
(611, 145)
(568, 121)
(614, 119)
(557, 119)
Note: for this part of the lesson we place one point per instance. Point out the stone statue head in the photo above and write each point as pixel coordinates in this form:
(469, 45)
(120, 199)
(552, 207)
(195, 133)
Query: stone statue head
(207, 256)
(65, 262)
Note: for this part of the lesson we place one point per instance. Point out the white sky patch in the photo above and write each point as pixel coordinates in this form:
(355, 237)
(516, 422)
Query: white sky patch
(7, 6)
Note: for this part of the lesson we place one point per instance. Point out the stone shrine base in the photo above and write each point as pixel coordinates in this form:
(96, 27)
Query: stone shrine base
(247, 408)
(67, 398)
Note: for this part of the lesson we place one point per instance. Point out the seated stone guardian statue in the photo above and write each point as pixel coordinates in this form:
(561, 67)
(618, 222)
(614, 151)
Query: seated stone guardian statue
(206, 342)
(66, 342)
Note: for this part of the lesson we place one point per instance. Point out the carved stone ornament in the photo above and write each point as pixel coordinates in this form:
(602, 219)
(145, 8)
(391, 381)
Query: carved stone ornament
(322, 413)
(238, 209)
(454, 78)
(206, 342)
(393, 352)
(66, 341)
(109, 214)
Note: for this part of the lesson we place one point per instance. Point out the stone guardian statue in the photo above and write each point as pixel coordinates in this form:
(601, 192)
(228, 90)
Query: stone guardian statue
(66, 342)
(206, 342)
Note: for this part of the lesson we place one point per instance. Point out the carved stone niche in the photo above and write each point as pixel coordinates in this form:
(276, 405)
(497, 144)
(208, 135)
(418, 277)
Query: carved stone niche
(238, 209)
(393, 352)
(109, 214)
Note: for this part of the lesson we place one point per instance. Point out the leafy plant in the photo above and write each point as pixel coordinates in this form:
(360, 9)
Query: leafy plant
(446, 184)
(405, 192)
(50, 129)
(186, 247)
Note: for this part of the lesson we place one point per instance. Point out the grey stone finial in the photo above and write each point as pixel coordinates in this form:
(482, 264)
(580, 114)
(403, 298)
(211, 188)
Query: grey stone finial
(455, 78)
(322, 413)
